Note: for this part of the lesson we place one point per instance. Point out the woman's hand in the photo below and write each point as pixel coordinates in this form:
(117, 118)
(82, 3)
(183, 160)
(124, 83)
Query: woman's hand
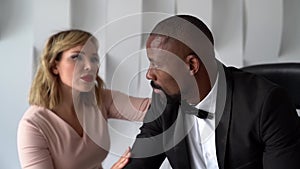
(123, 160)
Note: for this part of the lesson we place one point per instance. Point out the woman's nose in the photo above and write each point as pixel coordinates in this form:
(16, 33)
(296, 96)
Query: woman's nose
(87, 64)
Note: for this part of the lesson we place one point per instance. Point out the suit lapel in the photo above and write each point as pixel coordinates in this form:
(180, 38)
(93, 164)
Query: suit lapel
(223, 113)
(179, 154)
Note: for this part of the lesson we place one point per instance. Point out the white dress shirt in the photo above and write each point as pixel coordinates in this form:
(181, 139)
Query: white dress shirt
(201, 138)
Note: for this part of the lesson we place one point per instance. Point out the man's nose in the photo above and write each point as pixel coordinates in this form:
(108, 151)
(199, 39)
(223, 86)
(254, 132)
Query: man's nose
(150, 75)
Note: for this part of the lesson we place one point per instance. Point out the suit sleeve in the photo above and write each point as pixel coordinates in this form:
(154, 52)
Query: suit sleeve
(280, 132)
(147, 150)
(32, 147)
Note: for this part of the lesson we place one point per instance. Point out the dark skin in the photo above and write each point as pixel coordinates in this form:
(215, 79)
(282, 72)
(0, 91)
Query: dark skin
(176, 70)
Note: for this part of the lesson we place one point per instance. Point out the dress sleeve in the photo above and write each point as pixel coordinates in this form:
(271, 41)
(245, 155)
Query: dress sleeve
(32, 147)
(148, 150)
(122, 106)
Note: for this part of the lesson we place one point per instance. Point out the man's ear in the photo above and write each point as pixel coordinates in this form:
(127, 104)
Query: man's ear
(194, 63)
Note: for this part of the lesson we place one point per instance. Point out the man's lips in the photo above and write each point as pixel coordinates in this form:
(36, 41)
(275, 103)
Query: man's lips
(87, 78)
(170, 98)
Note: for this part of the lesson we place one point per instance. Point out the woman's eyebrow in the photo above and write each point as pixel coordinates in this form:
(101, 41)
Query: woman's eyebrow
(78, 51)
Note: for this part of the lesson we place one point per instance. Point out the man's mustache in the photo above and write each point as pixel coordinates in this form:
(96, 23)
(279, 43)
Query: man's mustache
(170, 99)
(155, 86)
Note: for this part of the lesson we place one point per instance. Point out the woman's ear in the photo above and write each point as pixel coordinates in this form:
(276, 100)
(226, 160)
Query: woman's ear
(194, 63)
(54, 69)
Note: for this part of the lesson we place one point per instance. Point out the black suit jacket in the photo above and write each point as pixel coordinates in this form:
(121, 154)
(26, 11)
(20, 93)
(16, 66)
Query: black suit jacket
(258, 129)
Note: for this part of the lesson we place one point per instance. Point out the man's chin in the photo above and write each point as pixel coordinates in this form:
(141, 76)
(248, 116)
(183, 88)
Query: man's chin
(164, 95)
(158, 91)
(161, 93)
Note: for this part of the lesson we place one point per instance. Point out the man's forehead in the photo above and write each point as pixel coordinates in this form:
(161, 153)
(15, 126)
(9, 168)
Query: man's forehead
(156, 41)
(161, 55)
(154, 46)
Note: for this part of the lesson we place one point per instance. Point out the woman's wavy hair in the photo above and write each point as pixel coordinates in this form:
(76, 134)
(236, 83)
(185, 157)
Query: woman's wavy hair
(45, 88)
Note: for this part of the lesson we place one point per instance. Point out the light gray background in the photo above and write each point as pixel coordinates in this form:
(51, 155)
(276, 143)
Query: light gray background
(246, 32)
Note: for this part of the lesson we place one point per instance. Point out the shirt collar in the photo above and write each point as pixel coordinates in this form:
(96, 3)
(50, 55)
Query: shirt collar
(209, 102)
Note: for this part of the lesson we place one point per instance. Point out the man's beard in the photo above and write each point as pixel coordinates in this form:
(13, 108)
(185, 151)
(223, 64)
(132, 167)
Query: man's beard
(170, 98)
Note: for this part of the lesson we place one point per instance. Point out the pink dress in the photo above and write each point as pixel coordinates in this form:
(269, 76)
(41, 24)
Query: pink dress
(45, 141)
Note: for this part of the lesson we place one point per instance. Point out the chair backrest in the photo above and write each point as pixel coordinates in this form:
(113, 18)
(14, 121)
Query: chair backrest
(286, 75)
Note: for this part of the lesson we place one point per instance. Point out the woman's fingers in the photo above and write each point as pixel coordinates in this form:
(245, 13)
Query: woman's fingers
(123, 160)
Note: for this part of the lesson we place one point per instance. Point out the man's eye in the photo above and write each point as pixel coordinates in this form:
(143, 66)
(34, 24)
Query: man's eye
(155, 65)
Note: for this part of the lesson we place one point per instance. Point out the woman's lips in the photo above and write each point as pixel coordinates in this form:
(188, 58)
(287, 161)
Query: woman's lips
(87, 78)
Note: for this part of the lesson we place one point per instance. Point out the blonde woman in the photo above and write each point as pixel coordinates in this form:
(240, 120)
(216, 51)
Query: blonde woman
(65, 126)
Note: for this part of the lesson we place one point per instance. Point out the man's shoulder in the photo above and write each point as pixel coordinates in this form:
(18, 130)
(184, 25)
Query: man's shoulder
(249, 80)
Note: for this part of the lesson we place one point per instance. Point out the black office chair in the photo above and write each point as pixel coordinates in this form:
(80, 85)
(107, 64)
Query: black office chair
(286, 75)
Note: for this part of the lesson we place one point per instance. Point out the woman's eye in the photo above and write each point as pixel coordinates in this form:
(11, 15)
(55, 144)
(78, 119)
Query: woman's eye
(95, 59)
(76, 57)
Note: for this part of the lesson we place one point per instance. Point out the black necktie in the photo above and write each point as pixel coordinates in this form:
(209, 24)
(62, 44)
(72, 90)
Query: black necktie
(188, 109)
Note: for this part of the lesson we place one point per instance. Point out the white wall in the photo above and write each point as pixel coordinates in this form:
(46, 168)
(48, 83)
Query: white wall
(48, 18)
(246, 32)
(250, 32)
(16, 41)
(263, 31)
(290, 50)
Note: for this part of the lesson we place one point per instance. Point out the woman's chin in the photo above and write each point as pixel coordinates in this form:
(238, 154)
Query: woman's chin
(85, 88)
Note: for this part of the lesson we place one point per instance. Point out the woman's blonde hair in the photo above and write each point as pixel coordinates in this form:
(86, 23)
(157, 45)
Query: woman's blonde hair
(45, 88)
